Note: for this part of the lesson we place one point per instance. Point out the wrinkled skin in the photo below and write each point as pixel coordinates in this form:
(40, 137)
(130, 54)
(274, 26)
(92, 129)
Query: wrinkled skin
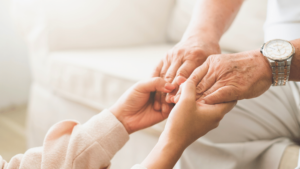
(229, 77)
(181, 61)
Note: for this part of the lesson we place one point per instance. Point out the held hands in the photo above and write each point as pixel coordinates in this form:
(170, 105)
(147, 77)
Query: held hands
(135, 110)
(190, 120)
(222, 78)
(186, 56)
(228, 77)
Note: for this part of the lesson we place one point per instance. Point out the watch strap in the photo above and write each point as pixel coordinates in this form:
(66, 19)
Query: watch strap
(280, 72)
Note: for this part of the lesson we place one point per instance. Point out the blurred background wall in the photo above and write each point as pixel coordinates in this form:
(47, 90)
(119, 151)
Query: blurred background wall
(14, 65)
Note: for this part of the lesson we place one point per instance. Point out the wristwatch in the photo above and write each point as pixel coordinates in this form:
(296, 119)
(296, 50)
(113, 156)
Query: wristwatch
(279, 53)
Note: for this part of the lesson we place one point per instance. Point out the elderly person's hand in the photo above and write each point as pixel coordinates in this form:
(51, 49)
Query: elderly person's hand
(186, 56)
(228, 77)
(210, 19)
(134, 109)
(188, 121)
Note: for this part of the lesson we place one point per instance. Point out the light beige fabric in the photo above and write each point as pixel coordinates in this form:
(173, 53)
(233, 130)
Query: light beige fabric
(85, 24)
(47, 108)
(97, 78)
(74, 83)
(71, 145)
(290, 157)
(78, 76)
(246, 32)
(283, 20)
(253, 135)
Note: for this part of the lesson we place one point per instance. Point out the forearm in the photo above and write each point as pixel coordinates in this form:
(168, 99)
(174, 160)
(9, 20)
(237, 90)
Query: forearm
(164, 155)
(295, 66)
(211, 18)
(68, 144)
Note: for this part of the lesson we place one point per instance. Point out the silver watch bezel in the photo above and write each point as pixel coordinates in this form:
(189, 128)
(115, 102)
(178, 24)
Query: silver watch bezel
(265, 53)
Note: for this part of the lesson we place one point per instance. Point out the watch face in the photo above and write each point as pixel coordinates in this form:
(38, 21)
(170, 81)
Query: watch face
(278, 49)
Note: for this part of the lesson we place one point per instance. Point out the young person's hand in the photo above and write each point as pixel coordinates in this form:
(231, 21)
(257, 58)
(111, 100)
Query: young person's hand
(134, 109)
(191, 119)
(188, 121)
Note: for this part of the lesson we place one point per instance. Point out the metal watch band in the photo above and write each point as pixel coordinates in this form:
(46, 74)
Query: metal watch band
(280, 71)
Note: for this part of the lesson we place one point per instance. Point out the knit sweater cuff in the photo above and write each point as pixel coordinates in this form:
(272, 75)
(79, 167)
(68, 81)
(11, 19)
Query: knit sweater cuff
(108, 131)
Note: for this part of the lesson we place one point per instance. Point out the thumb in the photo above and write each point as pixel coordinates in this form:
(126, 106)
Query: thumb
(154, 84)
(188, 91)
(222, 95)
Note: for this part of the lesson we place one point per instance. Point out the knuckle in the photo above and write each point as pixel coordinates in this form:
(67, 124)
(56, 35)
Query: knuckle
(183, 72)
(162, 74)
(206, 93)
(200, 87)
(196, 55)
(197, 70)
(169, 78)
(167, 58)
(178, 51)
(170, 75)
(156, 79)
(195, 77)
(157, 69)
(169, 53)
(196, 51)
(214, 58)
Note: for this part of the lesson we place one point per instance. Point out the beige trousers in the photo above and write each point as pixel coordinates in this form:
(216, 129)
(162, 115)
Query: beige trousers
(290, 158)
(253, 135)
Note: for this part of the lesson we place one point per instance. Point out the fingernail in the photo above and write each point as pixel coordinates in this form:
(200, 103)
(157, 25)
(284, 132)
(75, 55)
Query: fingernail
(202, 101)
(181, 80)
(169, 86)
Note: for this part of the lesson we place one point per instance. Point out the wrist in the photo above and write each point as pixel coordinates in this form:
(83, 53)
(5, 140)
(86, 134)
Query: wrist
(165, 154)
(202, 34)
(207, 46)
(121, 118)
(173, 139)
(263, 60)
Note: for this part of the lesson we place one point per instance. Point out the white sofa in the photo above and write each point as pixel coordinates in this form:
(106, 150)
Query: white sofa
(85, 53)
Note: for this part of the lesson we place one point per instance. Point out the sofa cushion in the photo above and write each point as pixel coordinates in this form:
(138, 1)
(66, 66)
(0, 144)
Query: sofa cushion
(246, 32)
(81, 24)
(97, 78)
